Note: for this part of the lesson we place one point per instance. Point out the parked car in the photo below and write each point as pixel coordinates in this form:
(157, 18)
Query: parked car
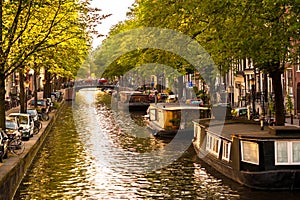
(194, 102)
(26, 122)
(35, 117)
(270, 121)
(12, 126)
(58, 95)
(222, 111)
(172, 99)
(49, 102)
(42, 104)
(161, 97)
(151, 96)
(33, 113)
(3, 145)
(241, 112)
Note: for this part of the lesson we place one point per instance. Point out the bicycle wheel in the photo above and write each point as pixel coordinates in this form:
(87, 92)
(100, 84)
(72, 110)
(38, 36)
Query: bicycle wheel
(40, 126)
(37, 127)
(45, 117)
(35, 130)
(17, 146)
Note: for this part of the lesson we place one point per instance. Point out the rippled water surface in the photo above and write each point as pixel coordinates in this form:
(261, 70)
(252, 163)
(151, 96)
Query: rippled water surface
(96, 152)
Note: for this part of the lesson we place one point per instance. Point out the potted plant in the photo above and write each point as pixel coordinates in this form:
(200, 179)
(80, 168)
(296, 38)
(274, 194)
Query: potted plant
(175, 122)
(290, 107)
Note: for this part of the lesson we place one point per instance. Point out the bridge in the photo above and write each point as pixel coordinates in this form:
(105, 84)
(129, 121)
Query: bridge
(70, 93)
(78, 87)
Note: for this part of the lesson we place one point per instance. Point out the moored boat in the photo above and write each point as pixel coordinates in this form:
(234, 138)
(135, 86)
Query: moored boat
(261, 159)
(166, 119)
(133, 101)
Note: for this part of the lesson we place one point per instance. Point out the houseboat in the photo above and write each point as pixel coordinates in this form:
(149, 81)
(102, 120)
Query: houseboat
(261, 159)
(165, 119)
(133, 101)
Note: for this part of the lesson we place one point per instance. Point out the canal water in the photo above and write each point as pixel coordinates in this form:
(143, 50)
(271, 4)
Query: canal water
(83, 158)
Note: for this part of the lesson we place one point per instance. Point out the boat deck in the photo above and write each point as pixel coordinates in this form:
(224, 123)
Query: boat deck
(178, 106)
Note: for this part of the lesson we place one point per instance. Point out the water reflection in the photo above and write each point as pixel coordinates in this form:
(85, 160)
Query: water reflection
(81, 159)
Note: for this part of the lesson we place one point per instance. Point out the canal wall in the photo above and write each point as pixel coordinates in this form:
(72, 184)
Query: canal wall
(14, 168)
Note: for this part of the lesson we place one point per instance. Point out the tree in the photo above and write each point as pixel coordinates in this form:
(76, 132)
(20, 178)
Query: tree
(261, 30)
(29, 27)
(146, 14)
(265, 31)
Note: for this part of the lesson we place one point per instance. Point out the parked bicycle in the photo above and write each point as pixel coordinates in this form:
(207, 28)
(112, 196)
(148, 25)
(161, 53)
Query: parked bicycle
(15, 145)
(3, 145)
(37, 127)
(43, 116)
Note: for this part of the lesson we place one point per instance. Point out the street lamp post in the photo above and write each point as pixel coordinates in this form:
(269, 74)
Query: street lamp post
(26, 84)
(44, 88)
(43, 82)
(262, 118)
(253, 96)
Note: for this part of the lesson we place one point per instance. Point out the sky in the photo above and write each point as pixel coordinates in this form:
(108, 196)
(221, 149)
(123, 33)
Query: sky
(118, 9)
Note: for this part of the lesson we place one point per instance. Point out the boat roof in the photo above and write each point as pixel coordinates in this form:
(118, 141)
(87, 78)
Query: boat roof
(177, 106)
(248, 130)
(129, 92)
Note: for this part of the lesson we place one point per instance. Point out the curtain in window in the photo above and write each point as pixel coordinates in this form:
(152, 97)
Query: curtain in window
(282, 152)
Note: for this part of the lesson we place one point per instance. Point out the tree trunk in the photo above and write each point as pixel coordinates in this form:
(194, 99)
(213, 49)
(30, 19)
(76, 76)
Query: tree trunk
(22, 92)
(2, 100)
(2, 75)
(180, 87)
(278, 101)
(35, 87)
(47, 86)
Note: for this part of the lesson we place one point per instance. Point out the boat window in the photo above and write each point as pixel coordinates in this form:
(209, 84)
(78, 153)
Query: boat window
(287, 152)
(213, 144)
(281, 156)
(226, 150)
(152, 113)
(160, 118)
(196, 130)
(250, 152)
(296, 152)
(176, 114)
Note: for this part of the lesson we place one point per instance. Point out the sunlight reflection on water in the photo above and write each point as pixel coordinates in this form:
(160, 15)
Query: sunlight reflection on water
(83, 161)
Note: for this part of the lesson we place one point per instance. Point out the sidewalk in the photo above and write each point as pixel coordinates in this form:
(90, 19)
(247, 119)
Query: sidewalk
(13, 169)
(295, 122)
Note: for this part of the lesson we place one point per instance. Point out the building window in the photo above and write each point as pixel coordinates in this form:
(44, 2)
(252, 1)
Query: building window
(213, 144)
(289, 75)
(250, 153)
(297, 61)
(287, 153)
(226, 150)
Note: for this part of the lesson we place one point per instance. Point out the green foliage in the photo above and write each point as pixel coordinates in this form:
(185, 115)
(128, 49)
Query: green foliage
(271, 105)
(264, 31)
(56, 105)
(289, 104)
(54, 35)
(175, 121)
